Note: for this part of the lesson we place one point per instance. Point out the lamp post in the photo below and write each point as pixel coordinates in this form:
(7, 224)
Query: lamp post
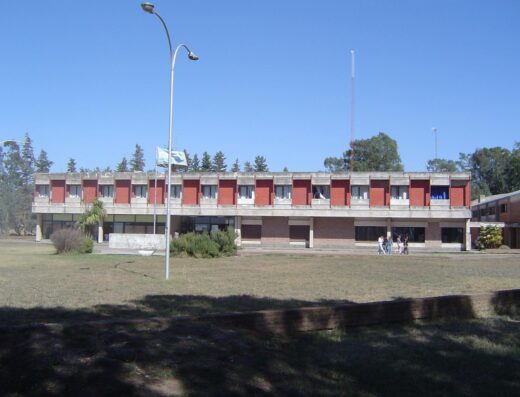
(149, 8)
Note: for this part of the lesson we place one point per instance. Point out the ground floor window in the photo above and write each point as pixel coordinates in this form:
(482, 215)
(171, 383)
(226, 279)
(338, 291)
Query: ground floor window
(415, 234)
(452, 234)
(369, 233)
(251, 232)
(206, 223)
(54, 222)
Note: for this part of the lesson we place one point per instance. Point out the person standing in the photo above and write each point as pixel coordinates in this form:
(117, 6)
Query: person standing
(405, 245)
(380, 249)
(399, 245)
(390, 245)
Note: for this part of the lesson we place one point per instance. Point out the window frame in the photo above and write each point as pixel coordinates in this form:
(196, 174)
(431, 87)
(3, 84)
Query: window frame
(137, 191)
(363, 192)
(213, 191)
(286, 192)
(110, 191)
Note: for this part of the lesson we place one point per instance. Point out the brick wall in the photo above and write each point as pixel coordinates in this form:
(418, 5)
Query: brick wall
(334, 232)
(275, 230)
(433, 234)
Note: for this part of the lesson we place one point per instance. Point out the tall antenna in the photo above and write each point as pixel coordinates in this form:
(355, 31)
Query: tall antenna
(434, 130)
(352, 110)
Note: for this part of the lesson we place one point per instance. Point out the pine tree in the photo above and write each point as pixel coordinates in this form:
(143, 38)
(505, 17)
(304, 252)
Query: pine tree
(285, 169)
(43, 164)
(28, 162)
(206, 165)
(195, 163)
(260, 164)
(248, 167)
(137, 161)
(219, 162)
(122, 166)
(71, 165)
(236, 166)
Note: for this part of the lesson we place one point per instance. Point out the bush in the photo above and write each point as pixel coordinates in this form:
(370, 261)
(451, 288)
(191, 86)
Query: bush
(71, 240)
(490, 236)
(204, 245)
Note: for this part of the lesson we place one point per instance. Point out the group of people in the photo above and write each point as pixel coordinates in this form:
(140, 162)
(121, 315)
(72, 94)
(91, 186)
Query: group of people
(386, 245)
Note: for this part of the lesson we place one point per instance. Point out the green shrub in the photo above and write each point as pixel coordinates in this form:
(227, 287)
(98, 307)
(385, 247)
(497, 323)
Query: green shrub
(204, 245)
(490, 236)
(71, 240)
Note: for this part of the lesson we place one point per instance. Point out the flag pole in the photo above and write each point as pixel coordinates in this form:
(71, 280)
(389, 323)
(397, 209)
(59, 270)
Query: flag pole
(155, 198)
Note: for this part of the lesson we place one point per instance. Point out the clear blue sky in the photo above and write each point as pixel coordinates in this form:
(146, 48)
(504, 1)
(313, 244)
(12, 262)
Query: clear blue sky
(89, 79)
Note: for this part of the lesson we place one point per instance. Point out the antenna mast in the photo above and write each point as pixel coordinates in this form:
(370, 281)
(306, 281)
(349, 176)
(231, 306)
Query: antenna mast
(353, 108)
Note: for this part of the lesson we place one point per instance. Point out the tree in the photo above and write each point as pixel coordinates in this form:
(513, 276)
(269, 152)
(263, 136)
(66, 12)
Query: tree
(71, 165)
(195, 163)
(260, 164)
(122, 166)
(236, 166)
(43, 164)
(206, 165)
(91, 216)
(219, 162)
(513, 169)
(441, 165)
(285, 169)
(490, 236)
(248, 167)
(378, 153)
(28, 162)
(489, 168)
(137, 161)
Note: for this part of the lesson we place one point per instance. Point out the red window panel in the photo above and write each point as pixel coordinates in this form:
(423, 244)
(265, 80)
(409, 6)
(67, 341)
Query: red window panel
(302, 192)
(339, 192)
(264, 192)
(191, 191)
(227, 192)
(89, 190)
(57, 192)
(152, 193)
(379, 193)
(419, 193)
(123, 189)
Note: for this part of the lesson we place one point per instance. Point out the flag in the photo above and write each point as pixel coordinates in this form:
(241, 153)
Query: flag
(178, 158)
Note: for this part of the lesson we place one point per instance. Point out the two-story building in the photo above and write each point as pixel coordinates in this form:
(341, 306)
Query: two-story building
(502, 210)
(268, 209)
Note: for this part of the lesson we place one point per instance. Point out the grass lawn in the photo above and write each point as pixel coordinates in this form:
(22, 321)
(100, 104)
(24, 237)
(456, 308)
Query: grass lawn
(452, 358)
(37, 285)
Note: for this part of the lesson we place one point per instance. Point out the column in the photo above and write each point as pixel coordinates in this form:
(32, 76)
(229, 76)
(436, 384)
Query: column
(100, 231)
(238, 227)
(39, 225)
(467, 236)
(311, 233)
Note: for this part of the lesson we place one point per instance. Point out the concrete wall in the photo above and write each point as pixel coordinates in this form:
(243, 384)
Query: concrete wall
(136, 241)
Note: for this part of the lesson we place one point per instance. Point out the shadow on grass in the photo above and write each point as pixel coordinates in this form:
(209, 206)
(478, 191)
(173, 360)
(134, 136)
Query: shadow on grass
(455, 358)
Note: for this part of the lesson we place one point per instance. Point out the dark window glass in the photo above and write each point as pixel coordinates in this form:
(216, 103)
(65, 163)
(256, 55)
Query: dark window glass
(452, 234)
(440, 193)
(369, 233)
(415, 234)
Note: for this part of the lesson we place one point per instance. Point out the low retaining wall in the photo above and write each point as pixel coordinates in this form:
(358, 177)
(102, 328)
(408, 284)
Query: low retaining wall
(136, 241)
(286, 322)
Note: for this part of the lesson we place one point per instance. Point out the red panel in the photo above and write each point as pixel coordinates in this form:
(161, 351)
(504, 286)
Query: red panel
(190, 191)
(58, 192)
(467, 194)
(419, 193)
(89, 191)
(152, 193)
(122, 192)
(457, 196)
(264, 192)
(379, 193)
(339, 192)
(227, 192)
(302, 192)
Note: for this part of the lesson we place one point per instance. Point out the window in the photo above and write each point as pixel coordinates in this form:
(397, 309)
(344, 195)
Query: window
(43, 190)
(369, 233)
(415, 234)
(483, 211)
(399, 192)
(106, 190)
(474, 214)
(452, 234)
(74, 190)
(491, 210)
(140, 191)
(246, 191)
(321, 192)
(176, 191)
(209, 191)
(503, 208)
(283, 192)
(440, 193)
(360, 192)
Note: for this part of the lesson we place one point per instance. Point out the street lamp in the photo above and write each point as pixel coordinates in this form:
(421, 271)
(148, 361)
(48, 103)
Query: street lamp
(149, 8)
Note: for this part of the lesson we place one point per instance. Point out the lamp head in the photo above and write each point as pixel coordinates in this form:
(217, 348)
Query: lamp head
(192, 56)
(147, 7)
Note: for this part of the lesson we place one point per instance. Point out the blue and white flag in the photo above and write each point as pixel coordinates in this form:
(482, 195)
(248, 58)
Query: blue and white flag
(178, 158)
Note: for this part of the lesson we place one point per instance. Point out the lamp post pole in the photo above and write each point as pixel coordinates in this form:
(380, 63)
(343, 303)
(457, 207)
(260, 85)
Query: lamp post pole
(149, 8)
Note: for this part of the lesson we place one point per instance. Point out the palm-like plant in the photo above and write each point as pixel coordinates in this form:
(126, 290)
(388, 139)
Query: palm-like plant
(91, 217)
